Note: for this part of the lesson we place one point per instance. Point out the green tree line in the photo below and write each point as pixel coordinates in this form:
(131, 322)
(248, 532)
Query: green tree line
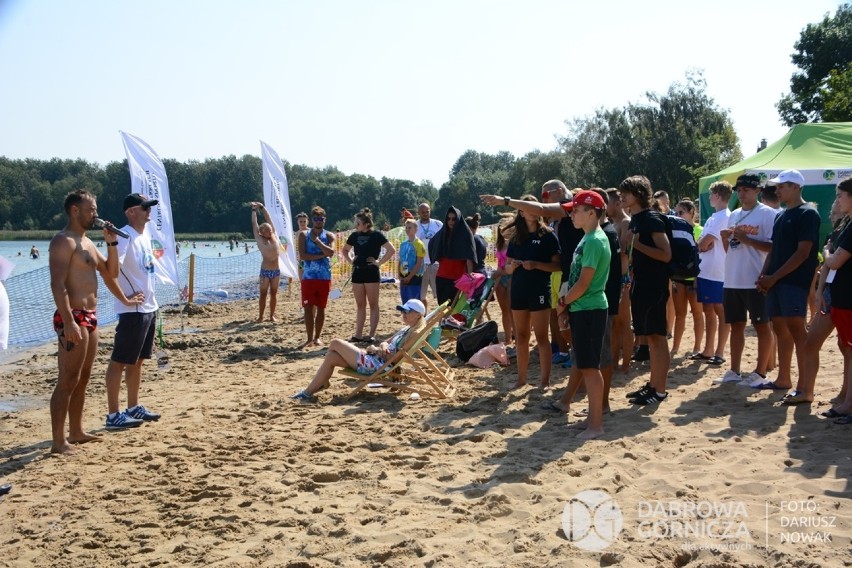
(208, 196)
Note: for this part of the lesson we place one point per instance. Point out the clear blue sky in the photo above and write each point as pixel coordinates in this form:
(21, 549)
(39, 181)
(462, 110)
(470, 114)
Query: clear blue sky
(379, 87)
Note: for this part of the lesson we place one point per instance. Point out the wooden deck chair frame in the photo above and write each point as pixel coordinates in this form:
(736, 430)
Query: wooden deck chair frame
(473, 317)
(410, 370)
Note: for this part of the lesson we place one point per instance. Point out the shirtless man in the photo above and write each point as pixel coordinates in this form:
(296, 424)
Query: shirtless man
(74, 284)
(268, 245)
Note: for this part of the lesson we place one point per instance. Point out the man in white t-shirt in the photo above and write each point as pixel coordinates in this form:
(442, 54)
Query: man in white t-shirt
(134, 333)
(711, 278)
(426, 229)
(747, 241)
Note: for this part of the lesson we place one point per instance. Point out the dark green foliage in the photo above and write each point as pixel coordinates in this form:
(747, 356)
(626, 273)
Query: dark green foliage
(207, 197)
(673, 139)
(821, 88)
(476, 173)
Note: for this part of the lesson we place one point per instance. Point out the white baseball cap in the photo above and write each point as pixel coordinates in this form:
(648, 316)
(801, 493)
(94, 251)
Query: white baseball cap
(413, 306)
(789, 176)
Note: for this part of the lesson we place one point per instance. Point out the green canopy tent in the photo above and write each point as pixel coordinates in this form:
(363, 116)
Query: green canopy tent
(822, 152)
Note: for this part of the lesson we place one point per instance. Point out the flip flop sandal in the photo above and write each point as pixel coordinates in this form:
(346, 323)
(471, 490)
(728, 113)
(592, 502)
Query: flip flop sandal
(769, 386)
(844, 421)
(700, 357)
(831, 413)
(795, 397)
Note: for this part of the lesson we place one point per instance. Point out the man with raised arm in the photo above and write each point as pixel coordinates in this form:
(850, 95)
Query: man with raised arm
(268, 245)
(74, 284)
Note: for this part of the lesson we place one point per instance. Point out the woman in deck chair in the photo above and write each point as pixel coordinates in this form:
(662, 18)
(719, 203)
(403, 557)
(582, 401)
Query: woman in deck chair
(365, 361)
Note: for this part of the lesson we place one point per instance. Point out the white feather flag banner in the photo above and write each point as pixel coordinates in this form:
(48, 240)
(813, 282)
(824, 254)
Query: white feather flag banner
(148, 177)
(276, 199)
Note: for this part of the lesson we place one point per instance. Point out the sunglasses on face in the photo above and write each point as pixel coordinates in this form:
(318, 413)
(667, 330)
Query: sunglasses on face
(319, 219)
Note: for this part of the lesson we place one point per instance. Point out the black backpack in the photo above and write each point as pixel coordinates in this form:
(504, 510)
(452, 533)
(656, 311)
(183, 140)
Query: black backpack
(685, 258)
(472, 340)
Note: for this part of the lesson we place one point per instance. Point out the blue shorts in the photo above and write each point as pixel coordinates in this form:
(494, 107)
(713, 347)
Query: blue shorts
(709, 291)
(787, 301)
(410, 291)
(368, 363)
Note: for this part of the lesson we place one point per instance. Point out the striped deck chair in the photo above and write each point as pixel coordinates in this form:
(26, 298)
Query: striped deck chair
(411, 369)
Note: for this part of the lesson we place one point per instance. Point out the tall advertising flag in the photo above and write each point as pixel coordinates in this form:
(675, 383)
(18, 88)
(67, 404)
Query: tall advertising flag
(148, 177)
(276, 199)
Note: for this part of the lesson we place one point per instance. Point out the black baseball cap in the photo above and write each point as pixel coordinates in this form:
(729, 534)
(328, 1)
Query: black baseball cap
(135, 199)
(748, 180)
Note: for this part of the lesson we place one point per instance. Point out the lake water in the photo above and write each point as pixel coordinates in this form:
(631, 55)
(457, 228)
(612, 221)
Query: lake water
(18, 252)
(220, 273)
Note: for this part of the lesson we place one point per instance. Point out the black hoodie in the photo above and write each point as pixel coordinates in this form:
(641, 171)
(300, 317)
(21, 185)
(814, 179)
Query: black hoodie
(456, 243)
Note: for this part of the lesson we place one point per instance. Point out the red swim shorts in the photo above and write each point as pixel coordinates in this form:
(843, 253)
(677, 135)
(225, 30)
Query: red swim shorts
(315, 292)
(84, 318)
(842, 320)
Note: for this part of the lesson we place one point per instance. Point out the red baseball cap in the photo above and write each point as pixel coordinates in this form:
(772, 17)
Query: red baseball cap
(590, 198)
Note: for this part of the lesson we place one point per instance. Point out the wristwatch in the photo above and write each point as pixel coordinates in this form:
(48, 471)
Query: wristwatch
(506, 200)
(115, 244)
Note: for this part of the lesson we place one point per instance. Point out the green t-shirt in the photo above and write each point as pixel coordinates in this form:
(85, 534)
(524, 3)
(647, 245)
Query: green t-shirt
(592, 252)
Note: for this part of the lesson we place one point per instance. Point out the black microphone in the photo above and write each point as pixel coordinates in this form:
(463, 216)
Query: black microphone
(101, 224)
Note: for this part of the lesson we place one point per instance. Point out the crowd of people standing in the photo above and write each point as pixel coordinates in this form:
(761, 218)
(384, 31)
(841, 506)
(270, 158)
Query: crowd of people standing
(586, 273)
(585, 277)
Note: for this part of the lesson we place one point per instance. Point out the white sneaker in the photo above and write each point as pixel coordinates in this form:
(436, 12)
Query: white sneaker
(752, 380)
(729, 377)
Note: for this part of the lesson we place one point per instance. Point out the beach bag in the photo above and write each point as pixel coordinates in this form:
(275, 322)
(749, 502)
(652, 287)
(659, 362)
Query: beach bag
(488, 355)
(685, 257)
(472, 340)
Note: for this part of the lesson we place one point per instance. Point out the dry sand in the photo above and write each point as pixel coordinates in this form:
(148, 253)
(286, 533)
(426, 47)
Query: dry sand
(236, 475)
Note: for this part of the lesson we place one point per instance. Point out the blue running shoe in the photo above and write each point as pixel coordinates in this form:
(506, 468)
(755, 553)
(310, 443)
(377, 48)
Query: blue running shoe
(121, 421)
(302, 397)
(139, 412)
(559, 358)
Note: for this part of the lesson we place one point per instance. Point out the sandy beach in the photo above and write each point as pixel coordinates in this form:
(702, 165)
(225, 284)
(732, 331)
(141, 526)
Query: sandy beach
(235, 474)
